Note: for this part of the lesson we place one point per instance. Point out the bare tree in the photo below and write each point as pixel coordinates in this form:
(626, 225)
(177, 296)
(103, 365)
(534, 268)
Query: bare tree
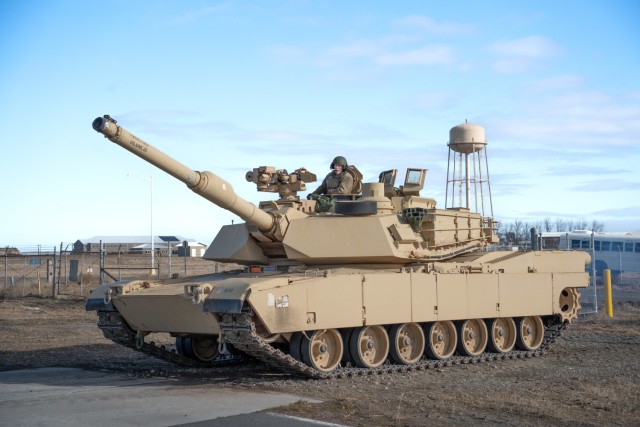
(518, 232)
(539, 225)
(581, 224)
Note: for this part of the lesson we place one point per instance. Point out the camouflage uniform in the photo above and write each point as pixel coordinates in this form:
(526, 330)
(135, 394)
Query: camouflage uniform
(336, 184)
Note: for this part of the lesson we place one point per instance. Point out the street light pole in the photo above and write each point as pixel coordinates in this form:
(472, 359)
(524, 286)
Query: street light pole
(150, 182)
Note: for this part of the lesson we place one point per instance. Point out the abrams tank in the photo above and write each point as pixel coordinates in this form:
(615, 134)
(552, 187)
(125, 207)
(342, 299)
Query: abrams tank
(387, 282)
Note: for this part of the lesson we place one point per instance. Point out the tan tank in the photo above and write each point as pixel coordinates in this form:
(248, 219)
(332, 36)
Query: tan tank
(387, 282)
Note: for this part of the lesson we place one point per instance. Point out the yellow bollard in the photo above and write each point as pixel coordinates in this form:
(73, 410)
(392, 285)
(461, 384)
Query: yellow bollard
(607, 287)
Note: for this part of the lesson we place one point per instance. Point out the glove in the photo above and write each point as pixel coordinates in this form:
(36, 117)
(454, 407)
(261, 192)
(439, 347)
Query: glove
(312, 196)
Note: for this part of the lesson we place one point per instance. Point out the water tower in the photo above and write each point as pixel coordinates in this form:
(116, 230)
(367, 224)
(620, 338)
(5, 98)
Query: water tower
(465, 172)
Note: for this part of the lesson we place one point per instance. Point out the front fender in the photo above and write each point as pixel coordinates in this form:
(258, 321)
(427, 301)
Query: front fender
(227, 297)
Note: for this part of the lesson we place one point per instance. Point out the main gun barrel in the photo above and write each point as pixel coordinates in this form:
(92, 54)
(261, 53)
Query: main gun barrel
(206, 184)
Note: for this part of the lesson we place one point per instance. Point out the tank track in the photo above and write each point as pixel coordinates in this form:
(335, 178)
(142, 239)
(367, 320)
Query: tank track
(114, 328)
(240, 330)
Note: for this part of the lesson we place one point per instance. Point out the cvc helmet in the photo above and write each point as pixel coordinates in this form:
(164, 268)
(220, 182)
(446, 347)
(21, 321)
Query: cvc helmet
(339, 161)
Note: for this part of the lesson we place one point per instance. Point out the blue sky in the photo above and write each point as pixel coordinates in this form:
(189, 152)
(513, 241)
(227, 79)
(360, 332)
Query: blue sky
(232, 85)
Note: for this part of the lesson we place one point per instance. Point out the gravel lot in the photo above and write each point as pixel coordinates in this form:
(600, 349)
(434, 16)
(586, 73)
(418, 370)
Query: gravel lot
(591, 376)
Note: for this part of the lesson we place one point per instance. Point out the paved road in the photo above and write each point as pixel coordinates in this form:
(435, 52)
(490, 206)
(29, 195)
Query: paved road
(74, 397)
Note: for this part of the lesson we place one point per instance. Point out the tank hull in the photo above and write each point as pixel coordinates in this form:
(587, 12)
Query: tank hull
(525, 284)
(484, 288)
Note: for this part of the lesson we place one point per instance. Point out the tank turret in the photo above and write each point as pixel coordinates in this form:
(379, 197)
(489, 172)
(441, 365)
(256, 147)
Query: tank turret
(399, 225)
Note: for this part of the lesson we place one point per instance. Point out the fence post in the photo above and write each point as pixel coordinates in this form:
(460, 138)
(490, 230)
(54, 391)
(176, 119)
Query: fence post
(6, 251)
(101, 263)
(24, 275)
(53, 282)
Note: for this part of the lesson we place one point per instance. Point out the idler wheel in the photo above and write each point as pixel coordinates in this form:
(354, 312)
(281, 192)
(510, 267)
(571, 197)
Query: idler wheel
(204, 349)
(369, 346)
(322, 350)
(441, 339)
(569, 304)
(407, 343)
(530, 333)
(472, 337)
(502, 334)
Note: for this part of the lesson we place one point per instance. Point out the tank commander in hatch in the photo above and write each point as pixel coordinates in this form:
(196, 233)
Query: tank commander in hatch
(338, 184)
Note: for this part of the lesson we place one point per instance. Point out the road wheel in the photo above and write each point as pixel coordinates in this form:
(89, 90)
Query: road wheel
(407, 343)
(502, 334)
(369, 346)
(322, 350)
(530, 333)
(441, 339)
(472, 337)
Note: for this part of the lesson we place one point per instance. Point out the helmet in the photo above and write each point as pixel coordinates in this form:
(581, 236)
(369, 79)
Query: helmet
(339, 161)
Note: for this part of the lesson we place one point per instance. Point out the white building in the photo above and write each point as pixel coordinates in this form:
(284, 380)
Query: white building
(140, 244)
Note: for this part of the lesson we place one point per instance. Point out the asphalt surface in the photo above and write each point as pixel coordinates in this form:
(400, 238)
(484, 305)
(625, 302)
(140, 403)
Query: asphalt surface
(74, 397)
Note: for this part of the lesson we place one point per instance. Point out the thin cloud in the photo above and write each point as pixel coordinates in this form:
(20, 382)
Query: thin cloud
(626, 212)
(356, 49)
(372, 132)
(276, 136)
(198, 14)
(383, 52)
(562, 82)
(290, 55)
(429, 55)
(607, 185)
(578, 118)
(523, 54)
(437, 100)
(577, 169)
(432, 26)
(526, 47)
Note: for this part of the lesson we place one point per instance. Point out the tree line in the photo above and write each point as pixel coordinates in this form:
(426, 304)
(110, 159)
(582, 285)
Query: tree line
(518, 231)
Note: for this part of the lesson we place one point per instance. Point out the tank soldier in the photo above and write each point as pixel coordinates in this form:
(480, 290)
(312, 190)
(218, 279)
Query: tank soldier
(338, 181)
(336, 185)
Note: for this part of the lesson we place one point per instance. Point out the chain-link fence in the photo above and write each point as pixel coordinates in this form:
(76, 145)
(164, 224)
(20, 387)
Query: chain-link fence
(52, 270)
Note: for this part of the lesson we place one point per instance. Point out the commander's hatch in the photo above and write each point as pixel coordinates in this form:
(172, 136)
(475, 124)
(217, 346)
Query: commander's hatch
(413, 182)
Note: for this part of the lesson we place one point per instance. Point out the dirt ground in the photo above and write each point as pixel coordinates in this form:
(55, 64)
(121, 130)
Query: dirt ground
(591, 376)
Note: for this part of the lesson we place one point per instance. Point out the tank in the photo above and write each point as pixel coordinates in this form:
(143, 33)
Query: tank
(385, 283)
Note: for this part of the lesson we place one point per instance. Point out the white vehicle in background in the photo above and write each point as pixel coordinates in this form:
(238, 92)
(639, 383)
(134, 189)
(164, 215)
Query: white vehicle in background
(619, 252)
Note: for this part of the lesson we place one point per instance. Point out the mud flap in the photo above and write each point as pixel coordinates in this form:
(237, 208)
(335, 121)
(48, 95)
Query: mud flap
(226, 299)
(223, 306)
